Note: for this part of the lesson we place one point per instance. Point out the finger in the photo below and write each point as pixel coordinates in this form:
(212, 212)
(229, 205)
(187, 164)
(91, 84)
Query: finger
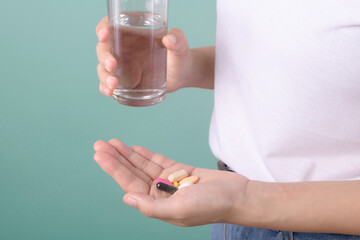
(102, 31)
(152, 169)
(162, 208)
(157, 158)
(127, 180)
(106, 78)
(105, 90)
(170, 166)
(173, 222)
(104, 56)
(176, 42)
(102, 146)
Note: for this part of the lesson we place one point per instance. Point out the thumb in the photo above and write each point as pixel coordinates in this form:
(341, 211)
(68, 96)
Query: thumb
(150, 207)
(176, 42)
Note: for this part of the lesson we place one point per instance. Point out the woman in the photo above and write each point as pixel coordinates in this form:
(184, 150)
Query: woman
(286, 119)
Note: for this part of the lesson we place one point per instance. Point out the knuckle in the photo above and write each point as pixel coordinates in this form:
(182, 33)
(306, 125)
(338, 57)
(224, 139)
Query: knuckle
(101, 24)
(103, 53)
(148, 213)
(103, 21)
(102, 89)
(101, 72)
(102, 80)
(98, 28)
(161, 158)
(98, 68)
(98, 48)
(177, 31)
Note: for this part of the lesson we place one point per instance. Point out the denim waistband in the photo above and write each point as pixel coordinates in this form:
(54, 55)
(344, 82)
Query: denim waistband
(222, 231)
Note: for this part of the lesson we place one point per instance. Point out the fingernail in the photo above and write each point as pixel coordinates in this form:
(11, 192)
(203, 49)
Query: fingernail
(171, 38)
(100, 34)
(130, 201)
(108, 65)
(110, 82)
(108, 92)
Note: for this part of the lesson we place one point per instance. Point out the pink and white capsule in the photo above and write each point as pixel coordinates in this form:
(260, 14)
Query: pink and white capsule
(164, 181)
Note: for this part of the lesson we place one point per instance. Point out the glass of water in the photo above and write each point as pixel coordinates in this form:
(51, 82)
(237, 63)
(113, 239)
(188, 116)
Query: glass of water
(136, 31)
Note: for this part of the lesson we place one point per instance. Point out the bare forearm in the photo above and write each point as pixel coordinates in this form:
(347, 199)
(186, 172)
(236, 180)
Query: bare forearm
(203, 60)
(326, 207)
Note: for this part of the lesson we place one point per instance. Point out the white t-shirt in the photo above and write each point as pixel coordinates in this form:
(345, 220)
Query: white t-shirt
(287, 89)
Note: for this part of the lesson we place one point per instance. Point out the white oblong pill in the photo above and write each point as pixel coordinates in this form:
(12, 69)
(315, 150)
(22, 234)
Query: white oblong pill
(185, 185)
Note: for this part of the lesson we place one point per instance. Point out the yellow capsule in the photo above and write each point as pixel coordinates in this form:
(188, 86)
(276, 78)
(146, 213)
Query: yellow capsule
(176, 184)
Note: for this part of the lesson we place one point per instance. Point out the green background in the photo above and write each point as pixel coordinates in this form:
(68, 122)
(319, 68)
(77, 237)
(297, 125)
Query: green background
(52, 113)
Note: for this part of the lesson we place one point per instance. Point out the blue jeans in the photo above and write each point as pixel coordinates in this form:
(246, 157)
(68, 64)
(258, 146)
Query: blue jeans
(221, 231)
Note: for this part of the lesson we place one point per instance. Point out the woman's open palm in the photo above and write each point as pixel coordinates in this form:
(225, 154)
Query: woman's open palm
(136, 169)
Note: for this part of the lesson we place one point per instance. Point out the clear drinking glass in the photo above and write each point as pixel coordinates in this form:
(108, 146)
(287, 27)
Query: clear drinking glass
(136, 31)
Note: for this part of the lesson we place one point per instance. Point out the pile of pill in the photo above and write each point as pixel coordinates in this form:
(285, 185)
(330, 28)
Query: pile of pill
(175, 181)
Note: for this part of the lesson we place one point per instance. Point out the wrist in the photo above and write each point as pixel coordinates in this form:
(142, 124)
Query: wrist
(192, 73)
(202, 65)
(328, 207)
(258, 209)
